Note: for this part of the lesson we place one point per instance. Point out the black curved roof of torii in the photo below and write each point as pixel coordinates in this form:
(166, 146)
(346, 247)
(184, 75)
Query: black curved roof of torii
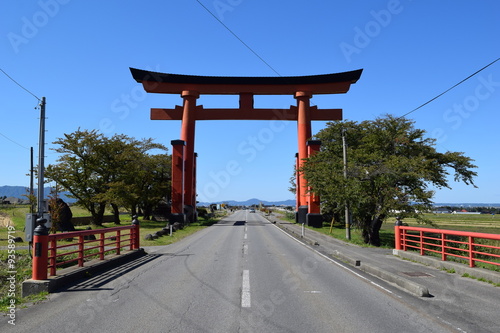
(142, 75)
(175, 83)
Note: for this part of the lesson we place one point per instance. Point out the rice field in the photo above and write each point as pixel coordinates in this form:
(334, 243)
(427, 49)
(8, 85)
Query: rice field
(486, 223)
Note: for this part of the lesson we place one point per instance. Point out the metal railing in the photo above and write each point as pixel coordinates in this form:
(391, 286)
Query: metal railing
(49, 254)
(471, 247)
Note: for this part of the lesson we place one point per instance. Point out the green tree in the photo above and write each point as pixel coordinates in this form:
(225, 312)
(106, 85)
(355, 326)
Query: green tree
(156, 182)
(30, 195)
(144, 183)
(137, 179)
(96, 170)
(55, 208)
(391, 168)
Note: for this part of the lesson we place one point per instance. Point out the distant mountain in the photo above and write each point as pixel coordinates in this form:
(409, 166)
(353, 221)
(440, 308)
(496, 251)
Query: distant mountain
(251, 202)
(21, 191)
(467, 204)
(13, 191)
(290, 202)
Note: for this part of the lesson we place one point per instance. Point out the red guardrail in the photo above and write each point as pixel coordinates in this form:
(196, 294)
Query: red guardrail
(469, 246)
(46, 248)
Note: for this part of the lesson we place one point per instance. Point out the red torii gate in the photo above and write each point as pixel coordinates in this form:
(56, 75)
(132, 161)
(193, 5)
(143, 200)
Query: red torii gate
(190, 87)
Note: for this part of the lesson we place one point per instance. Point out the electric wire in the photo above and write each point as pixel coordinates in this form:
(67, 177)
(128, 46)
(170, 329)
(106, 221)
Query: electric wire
(238, 38)
(25, 89)
(444, 92)
(17, 143)
(20, 85)
(275, 71)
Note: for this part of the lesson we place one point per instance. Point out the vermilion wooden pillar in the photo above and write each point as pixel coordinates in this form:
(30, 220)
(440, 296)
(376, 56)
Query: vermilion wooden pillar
(297, 188)
(314, 217)
(188, 135)
(194, 185)
(177, 207)
(303, 134)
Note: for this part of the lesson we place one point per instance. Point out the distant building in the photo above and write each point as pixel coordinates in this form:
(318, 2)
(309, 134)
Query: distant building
(441, 210)
(464, 212)
(14, 201)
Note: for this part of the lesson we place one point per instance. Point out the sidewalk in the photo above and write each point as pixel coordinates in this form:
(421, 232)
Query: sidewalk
(418, 275)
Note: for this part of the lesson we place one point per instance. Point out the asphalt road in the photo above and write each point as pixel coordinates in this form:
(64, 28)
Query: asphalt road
(241, 275)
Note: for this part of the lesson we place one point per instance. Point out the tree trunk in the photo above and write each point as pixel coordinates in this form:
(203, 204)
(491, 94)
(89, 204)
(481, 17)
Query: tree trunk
(98, 215)
(371, 233)
(116, 213)
(147, 211)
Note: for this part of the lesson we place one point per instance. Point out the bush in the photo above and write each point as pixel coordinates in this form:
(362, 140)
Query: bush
(202, 212)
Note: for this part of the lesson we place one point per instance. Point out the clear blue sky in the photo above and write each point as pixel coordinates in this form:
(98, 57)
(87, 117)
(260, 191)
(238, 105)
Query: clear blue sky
(77, 54)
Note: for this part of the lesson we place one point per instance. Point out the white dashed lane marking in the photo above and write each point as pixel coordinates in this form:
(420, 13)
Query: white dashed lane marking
(245, 290)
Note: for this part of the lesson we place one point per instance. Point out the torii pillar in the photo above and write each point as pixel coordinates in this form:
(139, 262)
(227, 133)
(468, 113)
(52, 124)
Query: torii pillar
(303, 134)
(177, 207)
(313, 216)
(188, 135)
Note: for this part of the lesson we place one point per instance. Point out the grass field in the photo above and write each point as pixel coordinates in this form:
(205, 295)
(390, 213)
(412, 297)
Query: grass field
(477, 223)
(338, 231)
(17, 215)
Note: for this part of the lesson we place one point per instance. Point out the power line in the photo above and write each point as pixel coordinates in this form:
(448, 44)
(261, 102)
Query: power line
(238, 38)
(19, 84)
(268, 65)
(20, 145)
(22, 87)
(444, 92)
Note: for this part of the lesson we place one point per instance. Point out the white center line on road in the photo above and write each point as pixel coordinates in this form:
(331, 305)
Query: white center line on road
(245, 237)
(245, 249)
(245, 290)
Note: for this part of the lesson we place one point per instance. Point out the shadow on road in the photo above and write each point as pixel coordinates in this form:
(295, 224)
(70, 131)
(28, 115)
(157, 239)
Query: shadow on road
(108, 275)
(232, 223)
(239, 223)
(229, 223)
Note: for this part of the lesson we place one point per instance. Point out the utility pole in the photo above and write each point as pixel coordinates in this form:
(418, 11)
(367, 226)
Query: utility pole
(41, 161)
(347, 214)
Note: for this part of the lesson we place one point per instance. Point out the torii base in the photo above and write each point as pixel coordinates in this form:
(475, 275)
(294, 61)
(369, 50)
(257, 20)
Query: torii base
(301, 215)
(314, 220)
(176, 217)
(190, 212)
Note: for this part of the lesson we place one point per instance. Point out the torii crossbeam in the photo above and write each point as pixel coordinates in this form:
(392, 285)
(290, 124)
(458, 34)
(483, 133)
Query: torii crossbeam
(190, 87)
